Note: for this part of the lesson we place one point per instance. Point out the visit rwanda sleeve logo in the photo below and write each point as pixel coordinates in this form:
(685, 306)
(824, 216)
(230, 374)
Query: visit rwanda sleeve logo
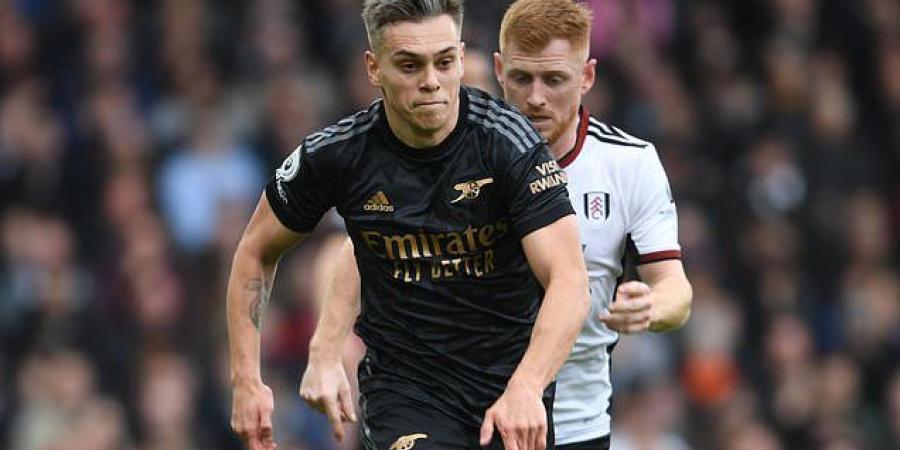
(551, 175)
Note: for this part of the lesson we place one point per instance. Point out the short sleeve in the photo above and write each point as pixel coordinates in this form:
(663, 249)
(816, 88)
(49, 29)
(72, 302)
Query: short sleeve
(536, 188)
(296, 193)
(654, 219)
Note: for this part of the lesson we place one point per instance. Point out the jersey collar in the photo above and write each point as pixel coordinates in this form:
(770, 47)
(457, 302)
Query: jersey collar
(583, 120)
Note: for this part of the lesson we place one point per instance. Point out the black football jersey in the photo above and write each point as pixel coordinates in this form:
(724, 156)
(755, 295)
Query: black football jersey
(448, 297)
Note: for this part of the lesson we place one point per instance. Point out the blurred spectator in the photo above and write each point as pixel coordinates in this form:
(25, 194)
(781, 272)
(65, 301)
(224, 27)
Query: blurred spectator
(197, 181)
(166, 404)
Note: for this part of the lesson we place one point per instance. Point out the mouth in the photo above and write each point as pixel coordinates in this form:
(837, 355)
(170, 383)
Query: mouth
(538, 119)
(430, 103)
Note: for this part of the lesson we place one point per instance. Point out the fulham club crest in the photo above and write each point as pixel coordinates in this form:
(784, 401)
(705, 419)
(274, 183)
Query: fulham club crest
(596, 206)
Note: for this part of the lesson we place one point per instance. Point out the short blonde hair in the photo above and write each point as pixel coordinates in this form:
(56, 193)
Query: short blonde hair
(532, 24)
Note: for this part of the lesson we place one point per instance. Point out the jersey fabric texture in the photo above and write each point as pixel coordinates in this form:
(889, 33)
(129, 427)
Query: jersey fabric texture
(623, 202)
(448, 297)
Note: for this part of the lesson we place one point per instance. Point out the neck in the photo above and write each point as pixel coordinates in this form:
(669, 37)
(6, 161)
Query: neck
(566, 140)
(417, 137)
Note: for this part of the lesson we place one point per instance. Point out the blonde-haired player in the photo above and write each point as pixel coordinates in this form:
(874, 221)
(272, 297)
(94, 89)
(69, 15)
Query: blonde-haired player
(621, 196)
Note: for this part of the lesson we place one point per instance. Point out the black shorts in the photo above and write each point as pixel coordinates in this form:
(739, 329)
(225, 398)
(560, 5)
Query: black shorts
(391, 421)
(601, 443)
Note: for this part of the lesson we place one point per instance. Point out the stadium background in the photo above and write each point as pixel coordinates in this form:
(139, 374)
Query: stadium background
(135, 136)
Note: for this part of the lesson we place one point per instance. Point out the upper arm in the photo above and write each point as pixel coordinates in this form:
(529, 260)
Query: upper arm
(555, 250)
(653, 221)
(299, 194)
(265, 236)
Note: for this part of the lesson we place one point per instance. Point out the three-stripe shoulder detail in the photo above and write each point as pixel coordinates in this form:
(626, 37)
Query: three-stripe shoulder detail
(515, 127)
(612, 135)
(344, 129)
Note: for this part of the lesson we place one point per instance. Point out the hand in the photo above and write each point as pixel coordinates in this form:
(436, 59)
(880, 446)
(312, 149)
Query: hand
(325, 388)
(632, 310)
(519, 416)
(251, 414)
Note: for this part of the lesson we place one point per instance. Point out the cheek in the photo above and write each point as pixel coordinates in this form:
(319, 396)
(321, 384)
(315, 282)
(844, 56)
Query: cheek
(451, 76)
(514, 95)
(564, 102)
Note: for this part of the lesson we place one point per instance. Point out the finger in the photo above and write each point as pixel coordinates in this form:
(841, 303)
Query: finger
(615, 322)
(541, 443)
(487, 429)
(333, 411)
(631, 305)
(347, 410)
(635, 318)
(611, 320)
(510, 440)
(633, 288)
(265, 427)
(530, 438)
(637, 327)
(253, 441)
(246, 425)
(640, 326)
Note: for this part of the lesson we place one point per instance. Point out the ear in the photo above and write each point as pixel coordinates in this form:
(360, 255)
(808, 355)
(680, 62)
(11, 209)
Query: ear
(498, 68)
(462, 57)
(372, 68)
(588, 75)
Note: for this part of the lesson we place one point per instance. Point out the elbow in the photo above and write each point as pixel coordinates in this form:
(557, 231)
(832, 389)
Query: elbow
(249, 251)
(582, 305)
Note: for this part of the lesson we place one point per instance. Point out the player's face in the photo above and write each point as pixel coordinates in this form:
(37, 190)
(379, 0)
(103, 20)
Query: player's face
(419, 68)
(548, 85)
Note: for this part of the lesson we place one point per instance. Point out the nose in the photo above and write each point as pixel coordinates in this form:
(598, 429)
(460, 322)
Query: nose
(536, 98)
(430, 81)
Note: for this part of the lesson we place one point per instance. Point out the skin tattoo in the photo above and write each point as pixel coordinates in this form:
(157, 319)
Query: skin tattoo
(260, 299)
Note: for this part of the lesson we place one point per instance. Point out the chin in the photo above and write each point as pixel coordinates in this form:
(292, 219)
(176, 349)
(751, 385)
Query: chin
(431, 121)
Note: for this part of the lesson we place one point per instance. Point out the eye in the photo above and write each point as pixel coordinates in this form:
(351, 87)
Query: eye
(408, 66)
(445, 63)
(554, 80)
(521, 78)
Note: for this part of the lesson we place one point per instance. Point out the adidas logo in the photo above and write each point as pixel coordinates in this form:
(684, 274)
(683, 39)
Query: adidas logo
(379, 203)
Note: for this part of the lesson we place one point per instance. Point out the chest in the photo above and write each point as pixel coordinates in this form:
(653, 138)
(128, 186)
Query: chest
(600, 204)
(410, 196)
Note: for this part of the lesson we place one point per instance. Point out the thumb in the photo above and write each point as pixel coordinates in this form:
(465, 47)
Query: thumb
(487, 429)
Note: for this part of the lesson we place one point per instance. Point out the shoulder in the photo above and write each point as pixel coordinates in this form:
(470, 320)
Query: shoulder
(496, 117)
(615, 144)
(607, 135)
(344, 132)
(328, 146)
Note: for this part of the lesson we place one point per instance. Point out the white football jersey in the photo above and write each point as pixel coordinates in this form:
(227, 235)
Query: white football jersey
(621, 196)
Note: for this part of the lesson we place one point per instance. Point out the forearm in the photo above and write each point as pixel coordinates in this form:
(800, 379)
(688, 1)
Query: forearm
(672, 296)
(339, 309)
(559, 321)
(248, 294)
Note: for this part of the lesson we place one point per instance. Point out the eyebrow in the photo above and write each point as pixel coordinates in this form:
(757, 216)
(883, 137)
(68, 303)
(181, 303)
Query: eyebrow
(409, 54)
(518, 71)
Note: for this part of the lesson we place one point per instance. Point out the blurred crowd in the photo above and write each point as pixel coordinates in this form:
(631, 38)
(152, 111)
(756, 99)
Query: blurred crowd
(136, 137)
